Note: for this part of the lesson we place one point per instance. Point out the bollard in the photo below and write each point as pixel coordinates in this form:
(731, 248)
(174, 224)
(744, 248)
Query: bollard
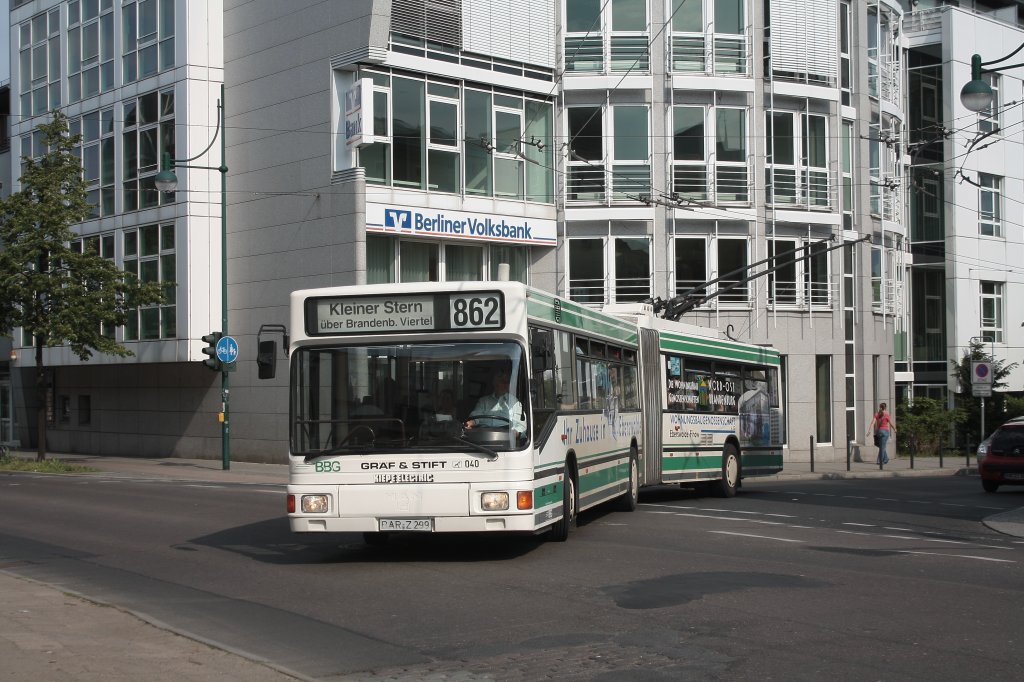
(967, 457)
(812, 454)
(941, 451)
(849, 451)
(912, 449)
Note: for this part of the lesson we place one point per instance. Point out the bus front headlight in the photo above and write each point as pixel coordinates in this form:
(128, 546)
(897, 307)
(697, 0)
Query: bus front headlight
(494, 501)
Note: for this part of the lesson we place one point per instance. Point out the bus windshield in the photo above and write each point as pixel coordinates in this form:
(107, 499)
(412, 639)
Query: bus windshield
(408, 397)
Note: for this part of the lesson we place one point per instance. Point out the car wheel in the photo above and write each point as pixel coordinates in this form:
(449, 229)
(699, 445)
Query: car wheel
(989, 486)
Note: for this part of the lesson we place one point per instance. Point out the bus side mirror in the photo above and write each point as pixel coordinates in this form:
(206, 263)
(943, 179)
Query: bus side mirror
(266, 359)
(542, 343)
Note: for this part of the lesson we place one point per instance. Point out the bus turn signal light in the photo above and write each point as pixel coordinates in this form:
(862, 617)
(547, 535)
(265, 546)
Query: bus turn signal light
(524, 499)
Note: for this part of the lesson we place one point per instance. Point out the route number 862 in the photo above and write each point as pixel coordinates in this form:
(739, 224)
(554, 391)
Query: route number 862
(476, 312)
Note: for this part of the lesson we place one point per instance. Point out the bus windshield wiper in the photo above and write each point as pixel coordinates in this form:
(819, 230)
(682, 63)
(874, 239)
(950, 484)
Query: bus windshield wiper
(491, 454)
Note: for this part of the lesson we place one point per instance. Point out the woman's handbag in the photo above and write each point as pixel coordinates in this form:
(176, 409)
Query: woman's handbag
(878, 439)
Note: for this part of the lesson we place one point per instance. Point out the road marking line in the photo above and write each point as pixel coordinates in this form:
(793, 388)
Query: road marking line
(957, 556)
(749, 535)
(865, 525)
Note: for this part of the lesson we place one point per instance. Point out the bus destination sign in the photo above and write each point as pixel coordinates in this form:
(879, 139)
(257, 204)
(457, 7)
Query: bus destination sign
(402, 313)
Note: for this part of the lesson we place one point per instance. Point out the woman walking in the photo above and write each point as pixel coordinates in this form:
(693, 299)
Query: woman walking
(884, 426)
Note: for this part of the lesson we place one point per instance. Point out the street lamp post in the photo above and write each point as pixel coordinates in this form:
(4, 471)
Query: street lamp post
(976, 94)
(166, 181)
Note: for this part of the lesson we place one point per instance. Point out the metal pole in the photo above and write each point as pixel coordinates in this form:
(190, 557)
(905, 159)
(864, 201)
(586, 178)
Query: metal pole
(812, 454)
(849, 452)
(224, 381)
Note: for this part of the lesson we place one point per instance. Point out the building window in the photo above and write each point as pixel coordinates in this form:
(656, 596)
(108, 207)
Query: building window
(989, 200)
(689, 154)
(632, 269)
(100, 245)
(782, 283)
(723, 30)
(732, 182)
(97, 156)
(39, 61)
(90, 48)
(619, 42)
(423, 261)
(586, 270)
(435, 136)
(631, 158)
(148, 133)
(732, 270)
(609, 269)
(147, 38)
(845, 68)
(627, 153)
(988, 118)
(803, 182)
(149, 254)
(691, 259)
(846, 150)
(992, 312)
(823, 398)
(585, 179)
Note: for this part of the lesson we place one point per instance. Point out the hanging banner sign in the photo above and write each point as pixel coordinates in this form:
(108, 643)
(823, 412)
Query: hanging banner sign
(425, 222)
(359, 113)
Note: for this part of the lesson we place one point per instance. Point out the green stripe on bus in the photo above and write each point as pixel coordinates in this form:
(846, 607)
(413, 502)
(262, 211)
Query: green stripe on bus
(719, 349)
(542, 306)
(760, 460)
(677, 464)
(599, 479)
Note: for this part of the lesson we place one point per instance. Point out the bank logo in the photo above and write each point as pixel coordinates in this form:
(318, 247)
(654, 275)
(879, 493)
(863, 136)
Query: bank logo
(401, 220)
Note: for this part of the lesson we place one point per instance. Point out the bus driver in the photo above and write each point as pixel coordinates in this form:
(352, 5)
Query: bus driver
(500, 402)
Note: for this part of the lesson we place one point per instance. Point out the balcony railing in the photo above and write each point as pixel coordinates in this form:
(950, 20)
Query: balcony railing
(710, 54)
(616, 53)
(812, 191)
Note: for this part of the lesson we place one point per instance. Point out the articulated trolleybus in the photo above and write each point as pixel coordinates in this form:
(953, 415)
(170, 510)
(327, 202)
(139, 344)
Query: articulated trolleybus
(492, 406)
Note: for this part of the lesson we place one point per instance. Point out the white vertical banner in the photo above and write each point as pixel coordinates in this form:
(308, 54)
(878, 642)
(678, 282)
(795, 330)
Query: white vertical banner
(359, 113)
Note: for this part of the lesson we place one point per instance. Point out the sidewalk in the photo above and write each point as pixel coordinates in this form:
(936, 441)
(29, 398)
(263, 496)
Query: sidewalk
(51, 635)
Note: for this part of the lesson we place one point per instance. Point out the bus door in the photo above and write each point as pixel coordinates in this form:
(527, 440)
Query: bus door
(651, 389)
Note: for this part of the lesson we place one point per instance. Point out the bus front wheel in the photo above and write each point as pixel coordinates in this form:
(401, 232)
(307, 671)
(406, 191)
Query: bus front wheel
(560, 531)
(726, 486)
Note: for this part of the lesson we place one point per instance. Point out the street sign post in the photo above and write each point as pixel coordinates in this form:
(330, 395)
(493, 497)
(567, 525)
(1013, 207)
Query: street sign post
(981, 385)
(227, 351)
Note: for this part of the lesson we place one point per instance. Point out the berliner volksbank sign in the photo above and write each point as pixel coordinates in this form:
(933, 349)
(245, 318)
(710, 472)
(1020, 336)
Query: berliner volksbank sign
(424, 222)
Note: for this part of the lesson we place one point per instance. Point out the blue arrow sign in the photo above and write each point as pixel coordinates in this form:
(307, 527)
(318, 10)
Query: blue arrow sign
(227, 349)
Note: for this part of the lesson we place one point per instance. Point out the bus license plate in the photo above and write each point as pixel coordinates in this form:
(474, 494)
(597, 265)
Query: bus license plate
(407, 524)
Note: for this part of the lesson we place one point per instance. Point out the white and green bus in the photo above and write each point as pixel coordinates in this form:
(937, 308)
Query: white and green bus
(492, 406)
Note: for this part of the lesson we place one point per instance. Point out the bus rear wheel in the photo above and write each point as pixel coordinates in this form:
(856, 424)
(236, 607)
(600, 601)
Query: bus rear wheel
(627, 502)
(560, 531)
(726, 486)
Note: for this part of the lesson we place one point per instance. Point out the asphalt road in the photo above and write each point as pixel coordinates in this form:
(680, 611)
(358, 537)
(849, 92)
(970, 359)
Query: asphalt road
(856, 579)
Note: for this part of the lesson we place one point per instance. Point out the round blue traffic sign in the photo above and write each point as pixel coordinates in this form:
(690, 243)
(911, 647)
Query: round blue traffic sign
(227, 349)
(981, 370)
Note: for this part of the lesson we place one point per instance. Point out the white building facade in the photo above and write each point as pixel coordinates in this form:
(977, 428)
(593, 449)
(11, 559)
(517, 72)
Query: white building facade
(967, 193)
(606, 150)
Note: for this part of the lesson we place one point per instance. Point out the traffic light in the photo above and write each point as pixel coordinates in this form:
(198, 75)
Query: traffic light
(211, 340)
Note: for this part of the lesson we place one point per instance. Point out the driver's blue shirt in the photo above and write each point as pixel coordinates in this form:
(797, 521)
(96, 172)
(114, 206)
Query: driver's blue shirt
(501, 406)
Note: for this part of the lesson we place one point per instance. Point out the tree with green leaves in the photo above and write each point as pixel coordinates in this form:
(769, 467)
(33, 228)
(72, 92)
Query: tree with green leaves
(57, 294)
(968, 430)
(925, 426)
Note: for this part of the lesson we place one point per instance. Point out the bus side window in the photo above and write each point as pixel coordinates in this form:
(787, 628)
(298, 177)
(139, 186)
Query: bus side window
(566, 395)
